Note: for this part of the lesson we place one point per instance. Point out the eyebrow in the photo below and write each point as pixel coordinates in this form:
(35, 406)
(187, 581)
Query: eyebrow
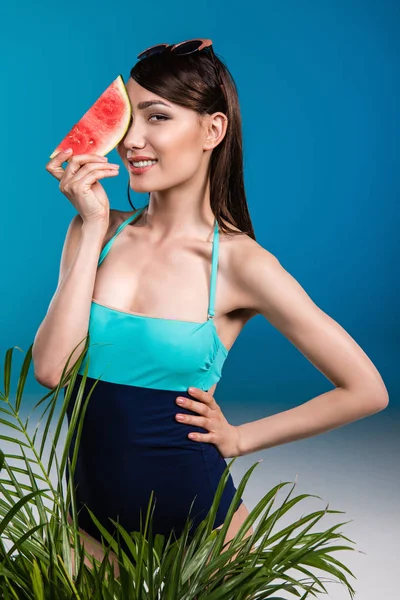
(147, 103)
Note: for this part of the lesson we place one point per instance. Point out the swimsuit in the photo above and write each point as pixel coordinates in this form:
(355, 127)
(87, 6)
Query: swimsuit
(131, 442)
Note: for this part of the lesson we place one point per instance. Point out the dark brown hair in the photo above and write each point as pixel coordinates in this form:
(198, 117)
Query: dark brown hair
(191, 80)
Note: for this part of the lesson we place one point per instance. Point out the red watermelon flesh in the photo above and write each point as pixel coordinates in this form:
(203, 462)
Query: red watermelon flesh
(103, 126)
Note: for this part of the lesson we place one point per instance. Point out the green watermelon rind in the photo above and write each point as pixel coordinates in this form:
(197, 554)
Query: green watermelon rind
(113, 139)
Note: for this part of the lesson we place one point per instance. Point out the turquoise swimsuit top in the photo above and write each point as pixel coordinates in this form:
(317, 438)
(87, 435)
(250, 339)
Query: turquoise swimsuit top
(152, 352)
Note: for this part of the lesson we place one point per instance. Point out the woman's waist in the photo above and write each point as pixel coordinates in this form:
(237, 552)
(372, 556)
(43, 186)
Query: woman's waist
(138, 408)
(139, 432)
(134, 417)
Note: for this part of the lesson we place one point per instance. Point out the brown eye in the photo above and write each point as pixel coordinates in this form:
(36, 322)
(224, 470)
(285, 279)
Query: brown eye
(161, 116)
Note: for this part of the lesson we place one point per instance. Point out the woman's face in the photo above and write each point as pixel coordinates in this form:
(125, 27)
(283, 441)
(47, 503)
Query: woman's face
(167, 132)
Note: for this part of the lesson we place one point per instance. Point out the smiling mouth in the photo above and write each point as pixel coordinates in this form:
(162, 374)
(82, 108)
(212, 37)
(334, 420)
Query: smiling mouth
(141, 169)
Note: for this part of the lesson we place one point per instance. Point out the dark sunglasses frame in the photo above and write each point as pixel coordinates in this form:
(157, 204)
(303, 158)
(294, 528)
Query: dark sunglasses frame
(186, 47)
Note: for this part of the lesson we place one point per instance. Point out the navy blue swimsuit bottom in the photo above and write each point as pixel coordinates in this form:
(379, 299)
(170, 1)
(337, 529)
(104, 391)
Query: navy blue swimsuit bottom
(131, 443)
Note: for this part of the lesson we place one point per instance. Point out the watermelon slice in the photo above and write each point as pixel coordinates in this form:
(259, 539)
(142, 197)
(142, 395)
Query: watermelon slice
(103, 126)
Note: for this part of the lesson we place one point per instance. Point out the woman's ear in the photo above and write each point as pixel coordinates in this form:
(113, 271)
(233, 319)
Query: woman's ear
(216, 126)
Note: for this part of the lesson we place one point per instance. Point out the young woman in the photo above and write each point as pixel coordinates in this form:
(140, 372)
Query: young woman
(164, 293)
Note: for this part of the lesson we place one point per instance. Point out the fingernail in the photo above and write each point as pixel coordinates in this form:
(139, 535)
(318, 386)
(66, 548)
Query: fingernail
(68, 150)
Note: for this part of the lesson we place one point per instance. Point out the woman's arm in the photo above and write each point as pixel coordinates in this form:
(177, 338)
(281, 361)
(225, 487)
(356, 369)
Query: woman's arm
(66, 322)
(360, 390)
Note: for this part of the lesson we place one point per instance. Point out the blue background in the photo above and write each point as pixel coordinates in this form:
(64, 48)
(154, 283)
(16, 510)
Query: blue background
(318, 87)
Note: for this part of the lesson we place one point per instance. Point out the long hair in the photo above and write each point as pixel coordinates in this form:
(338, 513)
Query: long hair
(191, 81)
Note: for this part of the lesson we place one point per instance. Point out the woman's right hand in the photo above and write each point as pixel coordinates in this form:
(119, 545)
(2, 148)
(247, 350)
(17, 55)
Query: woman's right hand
(79, 183)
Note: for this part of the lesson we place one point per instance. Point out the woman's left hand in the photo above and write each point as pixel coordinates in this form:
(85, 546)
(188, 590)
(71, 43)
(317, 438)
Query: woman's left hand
(223, 435)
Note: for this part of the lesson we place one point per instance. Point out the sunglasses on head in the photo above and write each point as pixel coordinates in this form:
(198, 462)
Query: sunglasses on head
(187, 47)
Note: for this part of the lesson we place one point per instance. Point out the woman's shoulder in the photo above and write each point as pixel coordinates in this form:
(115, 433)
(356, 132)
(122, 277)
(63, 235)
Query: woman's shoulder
(119, 216)
(244, 259)
(238, 244)
(241, 244)
(239, 256)
(116, 218)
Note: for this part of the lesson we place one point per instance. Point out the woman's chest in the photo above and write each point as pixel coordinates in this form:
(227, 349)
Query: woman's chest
(170, 282)
(175, 280)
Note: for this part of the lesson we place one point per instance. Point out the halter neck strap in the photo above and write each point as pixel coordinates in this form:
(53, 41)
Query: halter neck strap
(107, 247)
(214, 268)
